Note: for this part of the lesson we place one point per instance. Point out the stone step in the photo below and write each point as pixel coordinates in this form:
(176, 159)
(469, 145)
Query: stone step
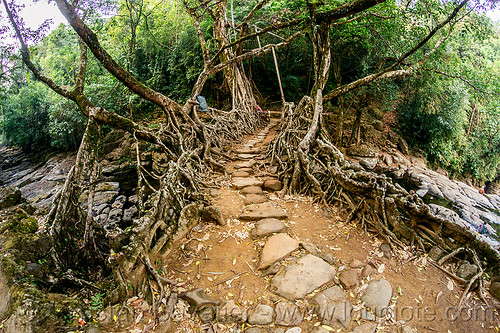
(246, 156)
(239, 183)
(262, 211)
(302, 277)
(252, 199)
(277, 247)
(247, 150)
(245, 164)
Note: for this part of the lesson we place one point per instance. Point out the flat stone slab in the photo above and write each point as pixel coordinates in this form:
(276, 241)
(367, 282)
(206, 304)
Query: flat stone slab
(277, 247)
(242, 182)
(333, 308)
(302, 277)
(262, 211)
(252, 190)
(247, 150)
(240, 174)
(377, 296)
(267, 226)
(246, 156)
(252, 199)
(245, 164)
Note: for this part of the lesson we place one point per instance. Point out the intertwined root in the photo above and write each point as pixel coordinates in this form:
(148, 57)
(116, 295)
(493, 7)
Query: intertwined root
(374, 200)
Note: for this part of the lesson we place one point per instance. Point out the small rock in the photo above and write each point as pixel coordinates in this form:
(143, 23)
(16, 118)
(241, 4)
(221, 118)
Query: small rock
(349, 278)
(356, 264)
(466, 270)
(266, 227)
(436, 253)
(231, 313)
(129, 213)
(277, 247)
(311, 248)
(377, 296)
(207, 314)
(367, 315)
(365, 328)
(273, 269)
(262, 315)
(252, 190)
(273, 185)
(288, 314)
(212, 213)
(294, 330)
(334, 309)
(301, 277)
(279, 330)
(254, 330)
(407, 329)
(198, 298)
(328, 257)
(133, 199)
(252, 199)
(320, 329)
(495, 290)
(386, 250)
(367, 271)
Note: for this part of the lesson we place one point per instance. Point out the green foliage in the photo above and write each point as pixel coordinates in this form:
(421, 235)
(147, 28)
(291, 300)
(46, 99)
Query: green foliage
(67, 124)
(25, 117)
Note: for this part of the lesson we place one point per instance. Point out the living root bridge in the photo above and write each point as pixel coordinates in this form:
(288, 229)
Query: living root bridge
(374, 199)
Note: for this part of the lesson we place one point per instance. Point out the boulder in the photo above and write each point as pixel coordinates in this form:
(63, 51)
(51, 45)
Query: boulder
(9, 196)
(252, 190)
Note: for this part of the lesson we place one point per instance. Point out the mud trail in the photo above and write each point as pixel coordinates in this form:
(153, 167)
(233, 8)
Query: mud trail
(224, 261)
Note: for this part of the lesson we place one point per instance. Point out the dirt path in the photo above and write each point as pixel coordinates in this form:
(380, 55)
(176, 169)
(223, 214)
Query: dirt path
(223, 261)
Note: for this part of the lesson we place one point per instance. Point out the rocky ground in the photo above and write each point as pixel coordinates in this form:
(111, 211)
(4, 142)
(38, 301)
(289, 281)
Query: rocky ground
(279, 263)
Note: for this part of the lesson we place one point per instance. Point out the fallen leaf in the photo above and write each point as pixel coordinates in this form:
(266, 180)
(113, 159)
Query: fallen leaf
(450, 285)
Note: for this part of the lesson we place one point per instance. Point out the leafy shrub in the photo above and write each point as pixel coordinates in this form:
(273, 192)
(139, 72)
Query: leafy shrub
(26, 117)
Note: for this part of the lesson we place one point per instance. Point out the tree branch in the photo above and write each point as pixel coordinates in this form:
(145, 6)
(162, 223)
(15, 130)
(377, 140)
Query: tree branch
(390, 71)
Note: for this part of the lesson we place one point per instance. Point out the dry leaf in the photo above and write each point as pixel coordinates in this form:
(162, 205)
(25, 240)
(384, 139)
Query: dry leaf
(450, 285)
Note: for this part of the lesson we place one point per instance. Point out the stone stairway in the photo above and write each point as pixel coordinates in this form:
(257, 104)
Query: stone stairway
(278, 265)
(305, 271)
